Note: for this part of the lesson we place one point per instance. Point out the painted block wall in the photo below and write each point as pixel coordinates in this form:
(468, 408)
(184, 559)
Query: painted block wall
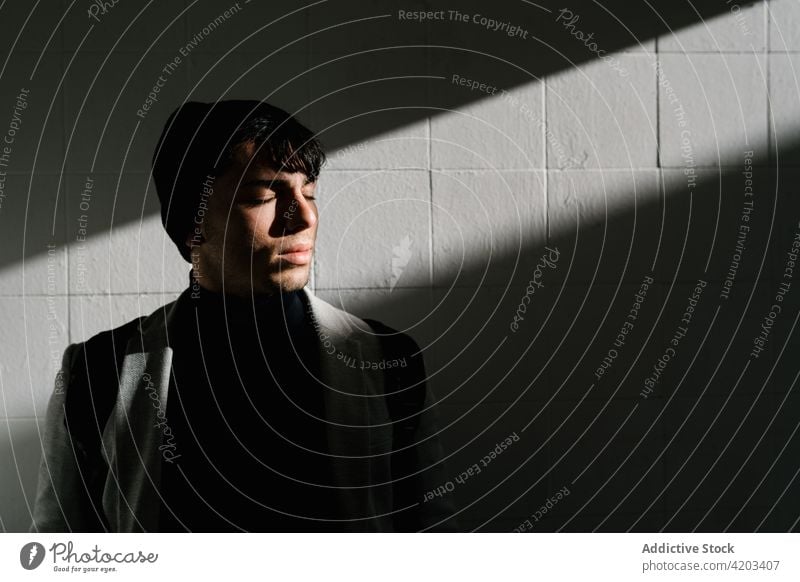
(410, 217)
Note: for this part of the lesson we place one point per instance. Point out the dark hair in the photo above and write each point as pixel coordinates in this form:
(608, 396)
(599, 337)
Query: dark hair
(200, 139)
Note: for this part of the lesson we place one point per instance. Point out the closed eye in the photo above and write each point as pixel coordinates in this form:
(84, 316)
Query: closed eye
(258, 201)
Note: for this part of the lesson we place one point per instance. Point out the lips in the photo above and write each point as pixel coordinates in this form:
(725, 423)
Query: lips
(298, 254)
(299, 248)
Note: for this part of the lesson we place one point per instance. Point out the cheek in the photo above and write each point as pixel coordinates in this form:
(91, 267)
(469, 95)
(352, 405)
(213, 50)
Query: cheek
(252, 225)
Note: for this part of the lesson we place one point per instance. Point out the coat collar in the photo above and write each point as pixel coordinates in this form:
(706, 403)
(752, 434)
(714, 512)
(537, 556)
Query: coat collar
(132, 436)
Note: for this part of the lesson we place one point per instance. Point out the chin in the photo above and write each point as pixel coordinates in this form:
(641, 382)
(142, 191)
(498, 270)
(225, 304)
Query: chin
(289, 281)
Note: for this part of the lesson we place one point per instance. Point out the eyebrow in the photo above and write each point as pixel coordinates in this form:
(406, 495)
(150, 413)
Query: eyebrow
(280, 182)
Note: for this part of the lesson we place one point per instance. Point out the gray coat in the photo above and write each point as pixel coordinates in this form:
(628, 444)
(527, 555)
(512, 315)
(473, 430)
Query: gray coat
(117, 487)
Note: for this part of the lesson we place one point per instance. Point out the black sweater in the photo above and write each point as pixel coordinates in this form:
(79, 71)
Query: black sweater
(247, 452)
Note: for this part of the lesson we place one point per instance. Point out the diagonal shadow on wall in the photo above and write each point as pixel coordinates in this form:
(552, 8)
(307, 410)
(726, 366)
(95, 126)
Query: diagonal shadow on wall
(628, 461)
(352, 71)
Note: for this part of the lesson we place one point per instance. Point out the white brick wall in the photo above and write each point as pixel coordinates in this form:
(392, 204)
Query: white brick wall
(496, 173)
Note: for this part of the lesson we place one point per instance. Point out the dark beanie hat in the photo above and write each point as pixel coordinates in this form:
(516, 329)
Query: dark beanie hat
(198, 141)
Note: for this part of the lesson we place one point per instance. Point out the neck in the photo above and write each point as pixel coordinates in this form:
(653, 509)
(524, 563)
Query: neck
(234, 306)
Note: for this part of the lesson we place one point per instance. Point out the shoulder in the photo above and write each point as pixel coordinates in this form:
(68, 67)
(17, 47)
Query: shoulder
(107, 342)
(113, 342)
(365, 330)
(92, 367)
(330, 317)
(398, 343)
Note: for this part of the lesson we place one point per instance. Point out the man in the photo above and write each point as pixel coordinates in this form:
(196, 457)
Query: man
(247, 404)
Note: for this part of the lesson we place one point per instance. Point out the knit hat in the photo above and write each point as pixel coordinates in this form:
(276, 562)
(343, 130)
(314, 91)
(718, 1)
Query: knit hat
(198, 141)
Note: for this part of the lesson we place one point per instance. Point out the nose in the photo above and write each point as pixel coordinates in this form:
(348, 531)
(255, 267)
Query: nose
(299, 213)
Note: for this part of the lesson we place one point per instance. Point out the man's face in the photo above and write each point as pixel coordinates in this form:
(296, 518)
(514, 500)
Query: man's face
(259, 230)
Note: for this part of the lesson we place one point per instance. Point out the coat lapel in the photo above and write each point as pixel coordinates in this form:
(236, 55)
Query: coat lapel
(135, 431)
(350, 411)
